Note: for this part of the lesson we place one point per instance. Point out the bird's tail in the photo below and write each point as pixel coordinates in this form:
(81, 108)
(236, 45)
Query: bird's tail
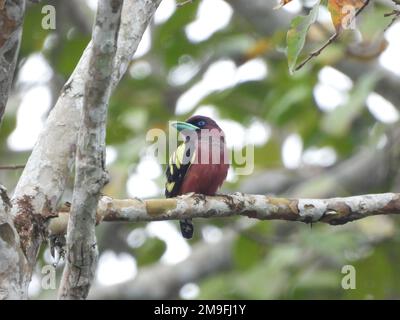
(186, 228)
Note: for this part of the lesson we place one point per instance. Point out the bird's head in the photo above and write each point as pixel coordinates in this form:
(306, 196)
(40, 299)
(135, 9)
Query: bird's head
(196, 123)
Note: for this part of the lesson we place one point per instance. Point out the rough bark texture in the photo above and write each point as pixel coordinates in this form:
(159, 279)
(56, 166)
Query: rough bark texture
(164, 281)
(370, 169)
(12, 260)
(13, 264)
(334, 211)
(11, 18)
(136, 16)
(266, 21)
(90, 175)
(44, 178)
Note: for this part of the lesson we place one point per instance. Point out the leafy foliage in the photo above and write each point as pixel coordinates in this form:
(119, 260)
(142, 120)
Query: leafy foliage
(271, 259)
(296, 36)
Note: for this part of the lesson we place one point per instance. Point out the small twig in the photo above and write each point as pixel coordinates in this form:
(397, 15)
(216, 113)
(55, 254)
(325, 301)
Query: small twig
(12, 167)
(317, 52)
(181, 4)
(331, 40)
(396, 14)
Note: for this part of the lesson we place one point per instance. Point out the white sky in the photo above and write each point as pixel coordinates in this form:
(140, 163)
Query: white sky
(136, 237)
(332, 88)
(220, 75)
(291, 151)
(211, 233)
(92, 4)
(212, 15)
(189, 291)
(177, 247)
(115, 267)
(111, 155)
(164, 11)
(36, 70)
(144, 45)
(383, 110)
(390, 58)
(30, 118)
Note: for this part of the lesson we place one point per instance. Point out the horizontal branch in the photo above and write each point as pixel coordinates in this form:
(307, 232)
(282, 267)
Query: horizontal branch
(334, 211)
(12, 167)
(11, 18)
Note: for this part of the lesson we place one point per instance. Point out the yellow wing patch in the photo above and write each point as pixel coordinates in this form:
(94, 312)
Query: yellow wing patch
(179, 153)
(169, 186)
(178, 165)
(178, 157)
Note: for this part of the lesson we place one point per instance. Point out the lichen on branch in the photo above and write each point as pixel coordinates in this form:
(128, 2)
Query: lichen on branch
(334, 211)
(90, 175)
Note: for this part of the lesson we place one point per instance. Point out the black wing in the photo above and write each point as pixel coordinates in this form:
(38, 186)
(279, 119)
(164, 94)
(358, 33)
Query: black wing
(177, 168)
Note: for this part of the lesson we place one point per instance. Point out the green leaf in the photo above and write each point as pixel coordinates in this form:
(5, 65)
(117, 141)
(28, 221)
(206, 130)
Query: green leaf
(377, 274)
(70, 54)
(33, 35)
(247, 252)
(296, 36)
(150, 251)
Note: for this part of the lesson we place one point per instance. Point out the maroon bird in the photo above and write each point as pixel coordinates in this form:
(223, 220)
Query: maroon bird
(199, 164)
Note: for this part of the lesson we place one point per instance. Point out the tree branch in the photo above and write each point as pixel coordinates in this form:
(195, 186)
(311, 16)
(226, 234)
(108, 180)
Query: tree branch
(45, 176)
(395, 14)
(90, 175)
(159, 281)
(12, 259)
(136, 16)
(11, 18)
(183, 3)
(334, 211)
(13, 279)
(266, 21)
(12, 167)
(333, 38)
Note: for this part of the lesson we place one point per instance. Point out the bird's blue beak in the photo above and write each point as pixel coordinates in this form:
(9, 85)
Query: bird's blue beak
(181, 126)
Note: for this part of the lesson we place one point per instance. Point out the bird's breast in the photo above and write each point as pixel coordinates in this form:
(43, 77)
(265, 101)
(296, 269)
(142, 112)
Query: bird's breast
(208, 170)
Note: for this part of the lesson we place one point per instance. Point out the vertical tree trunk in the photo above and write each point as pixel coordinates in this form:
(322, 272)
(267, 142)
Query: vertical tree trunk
(11, 18)
(44, 178)
(90, 159)
(13, 265)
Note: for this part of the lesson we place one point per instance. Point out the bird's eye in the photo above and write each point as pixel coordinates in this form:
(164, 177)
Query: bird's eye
(201, 123)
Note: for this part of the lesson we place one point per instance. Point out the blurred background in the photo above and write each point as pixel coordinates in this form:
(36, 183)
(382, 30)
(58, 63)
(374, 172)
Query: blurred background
(328, 130)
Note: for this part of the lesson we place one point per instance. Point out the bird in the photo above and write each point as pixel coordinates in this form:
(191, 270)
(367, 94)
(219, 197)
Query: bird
(199, 165)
